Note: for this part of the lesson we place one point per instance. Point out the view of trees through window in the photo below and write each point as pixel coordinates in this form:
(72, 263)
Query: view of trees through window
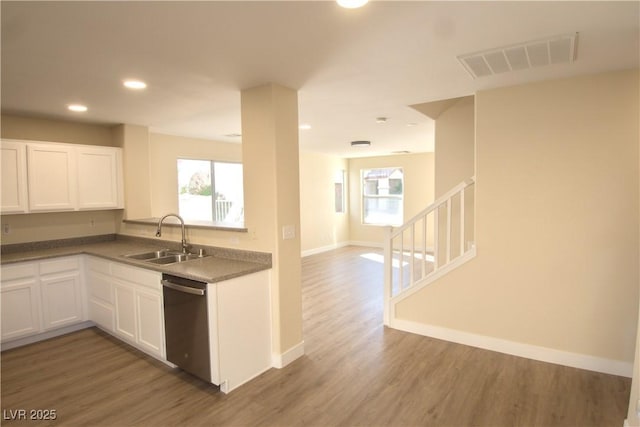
(382, 196)
(210, 191)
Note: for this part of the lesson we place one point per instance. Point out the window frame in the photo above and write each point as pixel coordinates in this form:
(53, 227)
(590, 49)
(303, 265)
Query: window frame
(212, 162)
(340, 178)
(364, 196)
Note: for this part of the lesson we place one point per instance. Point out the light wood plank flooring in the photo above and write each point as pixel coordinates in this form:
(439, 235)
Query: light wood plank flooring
(355, 372)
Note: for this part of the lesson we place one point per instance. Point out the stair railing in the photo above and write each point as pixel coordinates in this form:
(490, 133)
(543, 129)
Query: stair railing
(429, 245)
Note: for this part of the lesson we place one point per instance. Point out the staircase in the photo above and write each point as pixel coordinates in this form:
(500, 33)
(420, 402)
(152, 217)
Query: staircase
(435, 241)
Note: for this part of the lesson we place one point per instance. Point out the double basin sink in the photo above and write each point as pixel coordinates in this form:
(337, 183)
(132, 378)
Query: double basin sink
(164, 256)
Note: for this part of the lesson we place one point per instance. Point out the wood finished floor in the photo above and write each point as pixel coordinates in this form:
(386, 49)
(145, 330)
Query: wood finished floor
(355, 373)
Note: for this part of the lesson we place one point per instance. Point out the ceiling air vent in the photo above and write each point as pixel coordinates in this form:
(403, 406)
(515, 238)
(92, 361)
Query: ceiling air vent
(536, 53)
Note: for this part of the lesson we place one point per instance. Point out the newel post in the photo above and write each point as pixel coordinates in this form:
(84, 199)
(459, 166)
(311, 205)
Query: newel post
(388, 273)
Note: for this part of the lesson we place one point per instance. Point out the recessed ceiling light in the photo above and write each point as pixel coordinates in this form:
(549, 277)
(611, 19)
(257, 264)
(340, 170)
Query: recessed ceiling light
(233, 135)
(305, 126)
(412, 124)
(381, 120)
(78, 108)
(360, 143)
(134, 84)
(352, 4)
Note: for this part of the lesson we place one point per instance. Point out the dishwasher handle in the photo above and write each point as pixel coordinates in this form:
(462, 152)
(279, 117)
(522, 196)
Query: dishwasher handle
(182, 288)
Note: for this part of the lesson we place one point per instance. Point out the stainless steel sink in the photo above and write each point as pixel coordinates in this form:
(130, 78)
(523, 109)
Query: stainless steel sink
(164, 256)
(170, 259)
(152, 255)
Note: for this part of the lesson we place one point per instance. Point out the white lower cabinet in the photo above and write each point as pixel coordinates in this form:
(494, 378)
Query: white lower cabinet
(100, 293)
(20, 301)
(41, 296)
(127, 301)
(150, 321)
(61, 293)
(240, 329)
(125, 309)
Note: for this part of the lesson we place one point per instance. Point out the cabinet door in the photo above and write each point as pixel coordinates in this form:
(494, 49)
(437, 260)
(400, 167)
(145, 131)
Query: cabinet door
(20, 308)
(150, 313)
(14, 177)
(125, 308)
(101, 314)
(98, 177)
(61, 300)
(51, 177)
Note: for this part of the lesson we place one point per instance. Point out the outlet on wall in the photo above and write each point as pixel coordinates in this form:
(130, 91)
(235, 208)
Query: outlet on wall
(6, 229)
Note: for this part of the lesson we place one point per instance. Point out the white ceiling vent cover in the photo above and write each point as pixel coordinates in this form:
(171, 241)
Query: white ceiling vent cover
(535, 53)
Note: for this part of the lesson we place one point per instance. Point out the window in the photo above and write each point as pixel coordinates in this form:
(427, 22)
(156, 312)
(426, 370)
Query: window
(338, 184)
(382, 196)
(210, 191)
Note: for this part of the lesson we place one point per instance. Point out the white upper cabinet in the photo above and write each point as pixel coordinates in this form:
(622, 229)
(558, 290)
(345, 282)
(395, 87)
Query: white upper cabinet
(99, 183)
(14, 177)
(52, 177)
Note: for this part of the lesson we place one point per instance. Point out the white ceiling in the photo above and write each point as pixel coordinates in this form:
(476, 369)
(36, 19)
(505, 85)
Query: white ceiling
(349, 66)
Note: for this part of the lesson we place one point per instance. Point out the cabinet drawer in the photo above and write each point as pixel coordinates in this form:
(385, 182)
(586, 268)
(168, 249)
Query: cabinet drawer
(19, 271)
(59, 265)
(138, 276)
(99, 265)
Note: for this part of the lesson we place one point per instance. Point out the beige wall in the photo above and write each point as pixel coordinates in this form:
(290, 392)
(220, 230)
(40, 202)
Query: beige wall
(60, 225)
(418, 191)
(163, 154)
(321, 227)
(633, 417)
(19, 127)
(556, 221)
(134, 141)
(152, 183)
(454, 142)
(37, 227)
(272, 200)
(454, 163)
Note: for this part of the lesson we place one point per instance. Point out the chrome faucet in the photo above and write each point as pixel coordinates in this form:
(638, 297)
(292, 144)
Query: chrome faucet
(185, 246)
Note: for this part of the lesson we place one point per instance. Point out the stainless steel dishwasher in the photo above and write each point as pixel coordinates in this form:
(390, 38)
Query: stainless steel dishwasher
(186, 325)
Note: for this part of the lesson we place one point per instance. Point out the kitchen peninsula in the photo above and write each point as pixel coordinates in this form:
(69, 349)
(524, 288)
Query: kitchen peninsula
(55, 287)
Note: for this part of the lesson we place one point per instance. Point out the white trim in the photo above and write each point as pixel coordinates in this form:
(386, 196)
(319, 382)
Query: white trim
(366, 244)
(328, 248)
(322, 249)
(19, 342)
(529, 351)
(626, 423)
(226, 388)
(281, 360)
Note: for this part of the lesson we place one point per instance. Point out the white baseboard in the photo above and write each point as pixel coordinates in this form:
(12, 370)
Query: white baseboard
(19, 342)
(327, 248)
(529, 351)
(366, 244)
(281, 360)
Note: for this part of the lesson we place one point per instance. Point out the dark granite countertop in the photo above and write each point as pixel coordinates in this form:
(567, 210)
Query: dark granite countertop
(221, 264)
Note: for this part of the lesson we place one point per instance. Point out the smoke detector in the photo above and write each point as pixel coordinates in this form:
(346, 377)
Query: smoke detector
(536, 53)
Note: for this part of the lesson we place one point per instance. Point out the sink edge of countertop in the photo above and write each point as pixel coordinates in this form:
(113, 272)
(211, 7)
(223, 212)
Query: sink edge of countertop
(210, 269)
